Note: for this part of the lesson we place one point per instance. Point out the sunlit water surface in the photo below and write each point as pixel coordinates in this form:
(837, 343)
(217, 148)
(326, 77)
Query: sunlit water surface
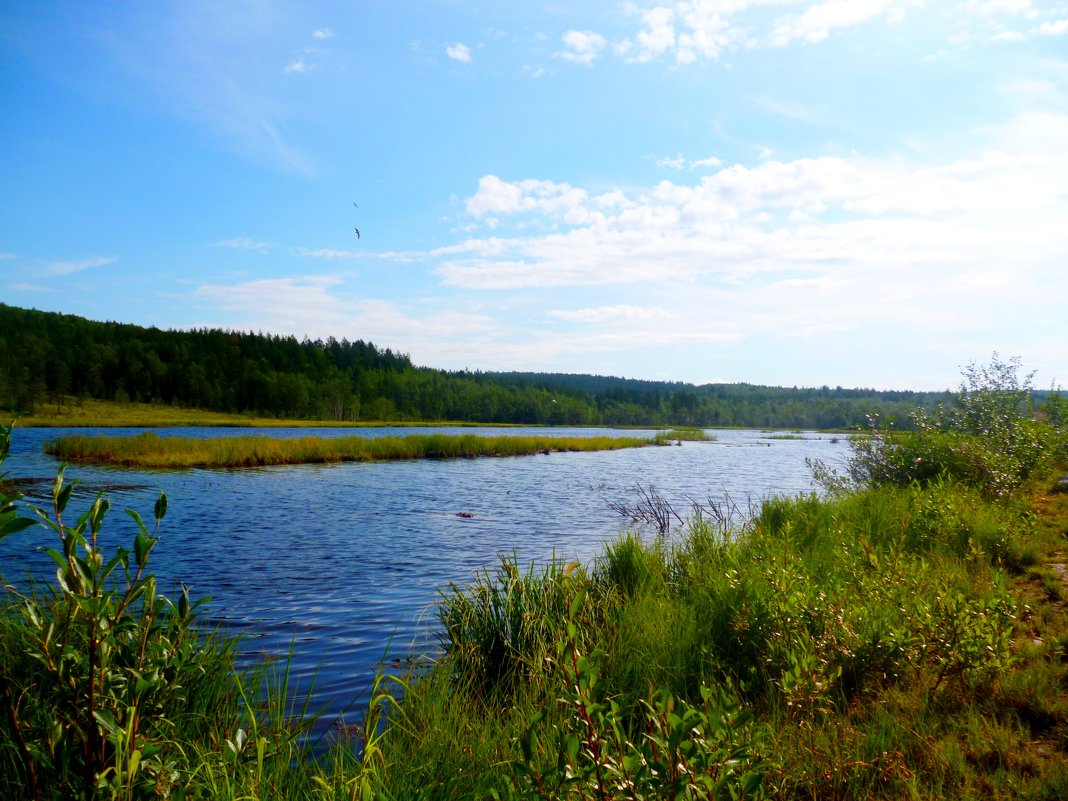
(340, 562)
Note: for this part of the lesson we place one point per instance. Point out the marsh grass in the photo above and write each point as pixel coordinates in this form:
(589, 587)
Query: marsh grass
(679, 435)
(882, 641)
(152, 451)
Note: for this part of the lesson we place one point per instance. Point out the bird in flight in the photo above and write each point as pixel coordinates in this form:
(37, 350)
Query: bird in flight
(357, 230)
(354, 203)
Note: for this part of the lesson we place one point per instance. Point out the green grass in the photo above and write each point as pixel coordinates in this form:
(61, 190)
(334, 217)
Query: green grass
(152, 451)
(883, 641)
(679, 435)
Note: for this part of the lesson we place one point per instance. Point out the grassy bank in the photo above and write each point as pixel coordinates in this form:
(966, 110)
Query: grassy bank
(152, 451)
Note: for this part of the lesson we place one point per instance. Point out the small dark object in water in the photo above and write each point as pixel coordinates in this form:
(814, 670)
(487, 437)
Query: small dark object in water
(465, 514)
(546, 451)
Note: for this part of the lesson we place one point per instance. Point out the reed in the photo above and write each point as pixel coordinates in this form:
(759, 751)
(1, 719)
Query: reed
(152, 451)
(679, 435)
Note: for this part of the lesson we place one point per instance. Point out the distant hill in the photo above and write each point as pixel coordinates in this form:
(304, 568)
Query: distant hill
(46, 358)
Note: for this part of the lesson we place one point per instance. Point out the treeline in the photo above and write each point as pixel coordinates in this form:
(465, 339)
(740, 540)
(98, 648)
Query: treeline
(49, 358)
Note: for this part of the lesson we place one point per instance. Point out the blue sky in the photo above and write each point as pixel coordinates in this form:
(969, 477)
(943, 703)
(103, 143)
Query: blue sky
(849, 192)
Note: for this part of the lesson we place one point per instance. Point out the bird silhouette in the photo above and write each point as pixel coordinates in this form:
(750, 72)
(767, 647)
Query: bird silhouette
(357, 230)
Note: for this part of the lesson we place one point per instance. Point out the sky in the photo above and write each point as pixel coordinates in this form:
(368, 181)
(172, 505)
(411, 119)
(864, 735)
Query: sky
(859, 193)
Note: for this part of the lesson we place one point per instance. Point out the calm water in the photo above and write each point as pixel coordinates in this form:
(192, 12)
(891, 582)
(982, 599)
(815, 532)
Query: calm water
(340, 560)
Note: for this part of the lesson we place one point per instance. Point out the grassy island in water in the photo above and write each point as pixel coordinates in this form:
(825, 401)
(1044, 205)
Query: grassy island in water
(150, 450)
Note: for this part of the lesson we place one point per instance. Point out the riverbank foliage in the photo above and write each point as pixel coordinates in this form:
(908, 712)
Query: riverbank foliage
(60, 362)
(150, 450)
(892, 639)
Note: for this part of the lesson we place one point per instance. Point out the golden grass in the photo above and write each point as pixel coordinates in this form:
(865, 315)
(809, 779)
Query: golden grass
(152, 451)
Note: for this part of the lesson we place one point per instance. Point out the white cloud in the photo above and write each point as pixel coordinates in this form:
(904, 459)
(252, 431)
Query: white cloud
(583, 46)
(71, 267)
(676, 162)
(601, 314)
(322, 306)
(323, 33)
(655, 38)
(1056, 28)
(989, 8)
(244, 243)
(835, 222)
(298, 65)
(817, 21)
(459, 52)
(710, 161)
(329, 254)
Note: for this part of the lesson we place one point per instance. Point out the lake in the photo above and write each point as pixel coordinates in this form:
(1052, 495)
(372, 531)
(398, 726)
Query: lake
(341, 561)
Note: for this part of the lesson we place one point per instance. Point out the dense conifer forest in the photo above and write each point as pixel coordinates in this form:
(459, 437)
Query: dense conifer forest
(48, 358)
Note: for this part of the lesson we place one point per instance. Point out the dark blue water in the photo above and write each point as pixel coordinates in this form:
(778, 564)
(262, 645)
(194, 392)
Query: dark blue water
(338, 561)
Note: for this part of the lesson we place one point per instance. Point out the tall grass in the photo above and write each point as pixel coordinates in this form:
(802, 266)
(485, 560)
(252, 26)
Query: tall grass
(152, 451)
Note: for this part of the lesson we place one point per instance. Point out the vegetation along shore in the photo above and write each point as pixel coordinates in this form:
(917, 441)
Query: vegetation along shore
(149, 450)
(903, 636)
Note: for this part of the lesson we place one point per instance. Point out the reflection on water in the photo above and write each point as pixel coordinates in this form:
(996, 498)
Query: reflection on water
(339, 562)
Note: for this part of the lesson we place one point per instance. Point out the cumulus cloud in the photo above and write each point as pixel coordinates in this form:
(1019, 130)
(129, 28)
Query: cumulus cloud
(459, 52)
(1054, 28)
(582, 46)
(829, 221)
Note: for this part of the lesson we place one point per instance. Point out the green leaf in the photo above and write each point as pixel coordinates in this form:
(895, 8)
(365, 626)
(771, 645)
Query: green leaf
(63, 496)
(571, 744)
(161, 507)
(576, 604)
(107, 720)
(141, 548)
(750, 782)
(137, 519)
(10, 524)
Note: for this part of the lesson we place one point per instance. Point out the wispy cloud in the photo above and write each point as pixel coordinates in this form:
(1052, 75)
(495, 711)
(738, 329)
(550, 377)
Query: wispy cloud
(298, 65)
(323, 33)
(818, 21)
(459, 52)
(602, 314)
(676, 162)
(328, 254)
(244, 243)
(71, 267)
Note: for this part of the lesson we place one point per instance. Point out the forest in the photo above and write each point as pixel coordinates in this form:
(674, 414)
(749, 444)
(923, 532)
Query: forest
(54, 359)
